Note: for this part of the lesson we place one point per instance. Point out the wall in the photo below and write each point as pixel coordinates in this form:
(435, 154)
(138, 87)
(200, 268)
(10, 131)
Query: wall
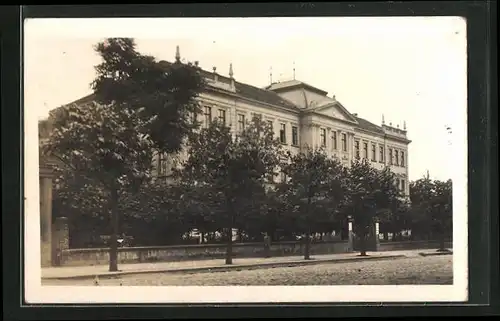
(60, 239)
(75, 257)
(411, 245)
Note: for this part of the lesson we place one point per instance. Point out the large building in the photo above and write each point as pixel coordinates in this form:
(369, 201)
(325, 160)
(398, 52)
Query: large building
(301, 116)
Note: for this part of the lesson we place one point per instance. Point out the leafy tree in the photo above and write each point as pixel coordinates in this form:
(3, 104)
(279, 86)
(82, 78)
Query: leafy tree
(315, 186)
(421, 192)
(141, 106)
(106, 145)
(233, 169)
(164, 92)
(433, 207)
(442, 210)
(151, 216)
(397, 218)
(85, 204)
(371, 193)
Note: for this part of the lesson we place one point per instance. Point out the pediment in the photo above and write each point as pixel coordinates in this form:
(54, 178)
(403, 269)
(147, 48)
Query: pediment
(335, 110)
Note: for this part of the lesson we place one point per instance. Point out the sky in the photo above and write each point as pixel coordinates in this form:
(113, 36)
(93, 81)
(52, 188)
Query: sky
(409, 69)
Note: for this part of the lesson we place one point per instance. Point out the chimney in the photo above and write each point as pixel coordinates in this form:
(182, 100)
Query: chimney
(231, 74)
(355, 114)
(196, 63)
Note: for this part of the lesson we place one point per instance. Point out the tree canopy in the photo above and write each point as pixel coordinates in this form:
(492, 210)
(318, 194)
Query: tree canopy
(139, 107)
(233, 168)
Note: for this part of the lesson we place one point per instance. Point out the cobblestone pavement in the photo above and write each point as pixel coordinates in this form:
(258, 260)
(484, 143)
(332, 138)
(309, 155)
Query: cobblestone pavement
(411, 270)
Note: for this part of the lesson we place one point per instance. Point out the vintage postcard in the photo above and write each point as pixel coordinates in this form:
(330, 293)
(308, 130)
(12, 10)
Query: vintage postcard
(245, 160)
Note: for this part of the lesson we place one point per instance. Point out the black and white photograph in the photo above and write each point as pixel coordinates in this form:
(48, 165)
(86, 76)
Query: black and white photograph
(245, 159)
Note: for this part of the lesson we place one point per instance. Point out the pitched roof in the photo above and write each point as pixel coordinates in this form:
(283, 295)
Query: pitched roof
(366, 125)
(293, 84)
(248, 91)
(263, 95)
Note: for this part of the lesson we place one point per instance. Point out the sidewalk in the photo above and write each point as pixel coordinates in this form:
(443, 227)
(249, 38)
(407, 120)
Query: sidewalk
(84, 272)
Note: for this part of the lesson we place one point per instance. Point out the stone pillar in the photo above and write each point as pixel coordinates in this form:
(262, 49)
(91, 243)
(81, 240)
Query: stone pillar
(60, 240)
(46, 217)
(373, 240)
(351, 234)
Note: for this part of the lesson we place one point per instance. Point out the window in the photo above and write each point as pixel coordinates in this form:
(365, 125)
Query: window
(402, 159)
(222, 116)
(374, 153)
(323, 137)
(163, 164)
(334, 139)
(390, 156)
(396, 154)
(270, 124)
(365, 149)
(270, 178)
(256, 116)
(381, 153)
(283, 134)
(403, 184)
(208, 115)
(356, 147)
(241, 122)
(295, 136)
(192, 117)
(344, 142)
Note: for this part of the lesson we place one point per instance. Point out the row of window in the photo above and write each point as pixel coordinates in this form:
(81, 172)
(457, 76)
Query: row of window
(282, 134)
(400, 183)
(334, 139)
(396, 157)
(207, 115)
(241, 121)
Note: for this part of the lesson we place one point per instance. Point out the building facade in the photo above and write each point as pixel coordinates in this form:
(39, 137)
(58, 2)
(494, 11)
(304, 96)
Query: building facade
(302, 116)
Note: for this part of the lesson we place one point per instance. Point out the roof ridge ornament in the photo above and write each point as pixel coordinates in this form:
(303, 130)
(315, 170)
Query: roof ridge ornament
(177, 54)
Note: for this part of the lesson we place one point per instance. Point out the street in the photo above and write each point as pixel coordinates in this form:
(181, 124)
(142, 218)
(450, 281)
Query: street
(412, 270)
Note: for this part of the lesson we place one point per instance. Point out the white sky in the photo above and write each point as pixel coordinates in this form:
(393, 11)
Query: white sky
(409, 69)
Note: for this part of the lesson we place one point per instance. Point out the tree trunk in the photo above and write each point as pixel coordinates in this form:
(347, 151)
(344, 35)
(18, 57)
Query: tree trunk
(267, 245)
(113, 250)
(229, 250)
(442, 244)
(442, 238)
(386, 236)
(362, 242)
(307, 248)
